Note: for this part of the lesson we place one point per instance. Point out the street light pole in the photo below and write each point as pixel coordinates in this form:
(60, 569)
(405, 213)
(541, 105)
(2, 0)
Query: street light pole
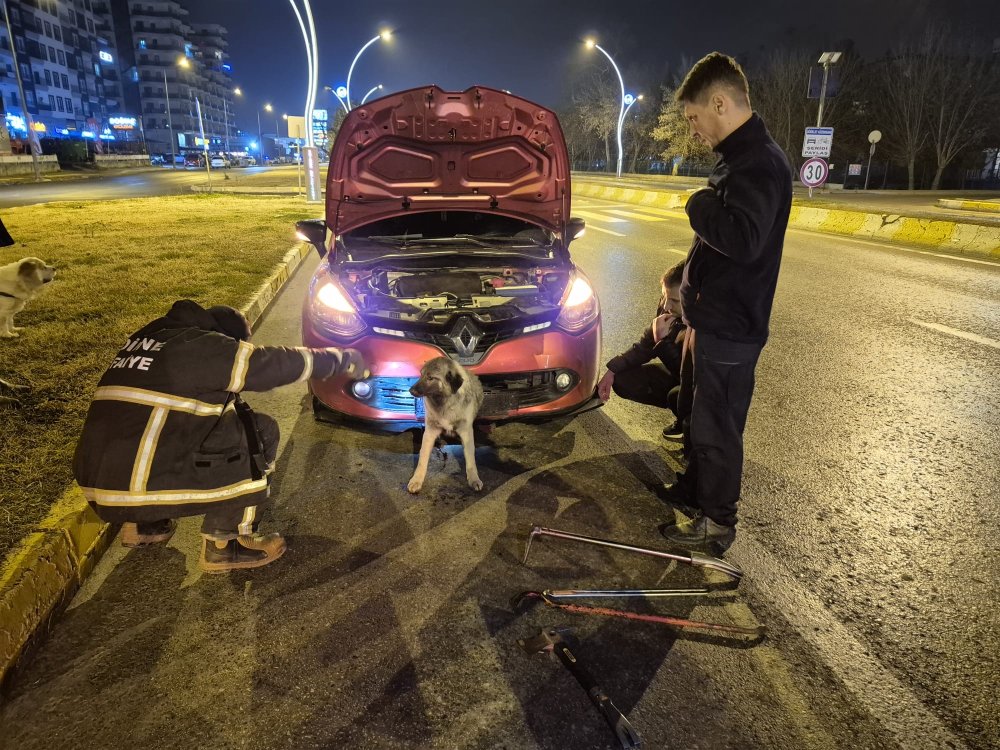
(170, 123)
(310, 154)
(827, 59)
(20, 92)
(383, 35)
(370, 92)
(260, 140)
(621, 108)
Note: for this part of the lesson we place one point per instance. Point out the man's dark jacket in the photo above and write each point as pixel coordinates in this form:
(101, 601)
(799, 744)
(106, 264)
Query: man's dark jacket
(162, 437)
(739, 223)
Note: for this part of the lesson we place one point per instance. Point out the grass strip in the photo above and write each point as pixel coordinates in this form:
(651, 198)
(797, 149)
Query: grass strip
(120, 265)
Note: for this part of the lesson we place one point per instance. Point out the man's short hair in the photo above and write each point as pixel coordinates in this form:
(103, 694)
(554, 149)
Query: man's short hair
(711, 71)
(673, 275)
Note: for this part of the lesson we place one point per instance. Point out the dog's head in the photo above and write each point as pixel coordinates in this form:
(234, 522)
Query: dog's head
(439, 378)
(34, 272)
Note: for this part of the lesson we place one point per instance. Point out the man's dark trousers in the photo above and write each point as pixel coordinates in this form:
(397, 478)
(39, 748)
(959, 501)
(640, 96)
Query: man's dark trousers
(723, 387)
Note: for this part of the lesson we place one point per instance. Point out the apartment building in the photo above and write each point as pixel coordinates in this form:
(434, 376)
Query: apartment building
(168, 58)
(67, 57)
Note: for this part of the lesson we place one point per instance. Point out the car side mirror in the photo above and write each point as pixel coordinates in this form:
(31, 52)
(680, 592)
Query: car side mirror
(575, 228)
(312, 231)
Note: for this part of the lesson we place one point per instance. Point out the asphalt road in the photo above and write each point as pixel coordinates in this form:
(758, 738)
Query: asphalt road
(140, 184)
(868, 532)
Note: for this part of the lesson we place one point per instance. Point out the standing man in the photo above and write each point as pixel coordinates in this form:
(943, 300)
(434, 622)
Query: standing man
(739, 223)
(167, 434)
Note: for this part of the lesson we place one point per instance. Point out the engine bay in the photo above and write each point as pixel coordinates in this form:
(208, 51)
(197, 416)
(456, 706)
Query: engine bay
(491, 293)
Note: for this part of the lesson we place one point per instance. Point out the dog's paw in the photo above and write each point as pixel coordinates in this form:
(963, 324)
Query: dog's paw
(414, 486)
(476, 484)
(9, 335)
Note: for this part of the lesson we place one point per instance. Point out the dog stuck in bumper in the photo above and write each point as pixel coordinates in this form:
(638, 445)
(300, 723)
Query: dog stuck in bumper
(452, 398)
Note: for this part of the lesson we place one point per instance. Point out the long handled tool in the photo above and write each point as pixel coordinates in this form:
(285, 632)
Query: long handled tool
(619, 593)
(696, 559)
(526, 598)
(552, 641)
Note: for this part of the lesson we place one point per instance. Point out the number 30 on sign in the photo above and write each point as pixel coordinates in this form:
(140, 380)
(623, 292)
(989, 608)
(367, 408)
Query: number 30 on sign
(814, 172)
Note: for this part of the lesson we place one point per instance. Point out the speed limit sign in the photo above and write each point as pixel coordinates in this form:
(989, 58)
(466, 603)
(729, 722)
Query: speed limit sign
(814, 172)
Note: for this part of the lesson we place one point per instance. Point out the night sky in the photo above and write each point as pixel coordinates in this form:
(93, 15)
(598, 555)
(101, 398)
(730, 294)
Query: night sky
(531, 47)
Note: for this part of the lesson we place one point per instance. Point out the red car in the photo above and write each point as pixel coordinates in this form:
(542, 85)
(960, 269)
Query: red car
(447, 232)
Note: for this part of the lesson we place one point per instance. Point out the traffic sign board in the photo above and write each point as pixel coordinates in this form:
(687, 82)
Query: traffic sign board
(814, 172)
(817, 142)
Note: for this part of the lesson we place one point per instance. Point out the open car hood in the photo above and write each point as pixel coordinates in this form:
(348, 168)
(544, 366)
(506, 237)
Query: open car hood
(428, 149)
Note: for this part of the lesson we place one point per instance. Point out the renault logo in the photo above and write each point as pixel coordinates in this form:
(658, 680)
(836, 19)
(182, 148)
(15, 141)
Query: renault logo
(464, 337)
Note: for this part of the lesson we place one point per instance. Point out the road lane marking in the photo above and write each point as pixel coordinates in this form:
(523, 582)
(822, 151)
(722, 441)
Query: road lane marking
(893, 246)
(605, 231)
(600, 217)
(957, 333)
(633, 215)
(876, 688)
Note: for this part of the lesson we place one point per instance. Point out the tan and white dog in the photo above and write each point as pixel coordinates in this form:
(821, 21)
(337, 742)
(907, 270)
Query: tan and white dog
(452, 398)
(20, 281)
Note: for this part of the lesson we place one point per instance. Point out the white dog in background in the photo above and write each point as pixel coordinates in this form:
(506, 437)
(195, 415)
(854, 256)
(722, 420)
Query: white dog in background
(20, 281)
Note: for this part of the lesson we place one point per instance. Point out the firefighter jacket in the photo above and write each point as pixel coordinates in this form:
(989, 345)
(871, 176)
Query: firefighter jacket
(162, 437)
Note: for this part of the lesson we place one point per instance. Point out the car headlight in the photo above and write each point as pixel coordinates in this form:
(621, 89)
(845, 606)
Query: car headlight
(333, 311)
(580, 307)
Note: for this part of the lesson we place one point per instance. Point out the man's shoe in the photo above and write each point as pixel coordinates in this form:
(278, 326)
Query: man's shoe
(678, 495)
(145, 534)
(674, 432)
(701, 532)
(245, 551)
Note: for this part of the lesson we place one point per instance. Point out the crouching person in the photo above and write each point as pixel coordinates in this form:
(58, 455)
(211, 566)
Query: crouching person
(167, 434)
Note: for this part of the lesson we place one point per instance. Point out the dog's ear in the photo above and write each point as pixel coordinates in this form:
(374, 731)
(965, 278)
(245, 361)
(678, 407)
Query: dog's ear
(455, 380)
(27, 267)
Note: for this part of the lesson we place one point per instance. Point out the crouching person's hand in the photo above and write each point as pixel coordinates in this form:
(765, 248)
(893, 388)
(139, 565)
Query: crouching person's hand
(350, 362)
(605, 385)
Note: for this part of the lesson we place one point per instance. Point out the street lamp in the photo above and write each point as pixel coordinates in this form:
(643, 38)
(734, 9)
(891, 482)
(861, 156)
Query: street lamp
(384, 36)
(310, 154)
(340, 92)
(260, 137)
(370, 92)
(183, 63)
(826, 60)
(591, 44)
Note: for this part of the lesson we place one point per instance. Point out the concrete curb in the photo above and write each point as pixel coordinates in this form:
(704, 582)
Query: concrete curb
(955, 237)
(967, 205)
(41, 575)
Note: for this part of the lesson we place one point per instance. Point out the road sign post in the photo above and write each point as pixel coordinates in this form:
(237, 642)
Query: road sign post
(814, 173)
(817, 142)
(873, 137)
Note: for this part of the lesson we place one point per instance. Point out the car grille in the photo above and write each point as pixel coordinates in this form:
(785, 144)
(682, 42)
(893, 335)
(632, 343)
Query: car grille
(502, 394)
(446, 344)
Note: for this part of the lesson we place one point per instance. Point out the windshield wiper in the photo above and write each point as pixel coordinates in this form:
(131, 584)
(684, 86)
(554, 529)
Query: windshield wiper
(419, 240)
(506, 239)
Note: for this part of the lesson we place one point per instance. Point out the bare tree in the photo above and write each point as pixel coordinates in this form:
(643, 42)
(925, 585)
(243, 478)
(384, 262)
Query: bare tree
(778, 93)
(902, 90)
(963, 91)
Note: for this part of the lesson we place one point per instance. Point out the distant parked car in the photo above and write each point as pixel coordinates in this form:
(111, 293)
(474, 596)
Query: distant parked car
(219, 162)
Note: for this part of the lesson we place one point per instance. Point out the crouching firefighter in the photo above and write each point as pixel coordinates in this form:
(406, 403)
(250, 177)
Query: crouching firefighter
(167, 434)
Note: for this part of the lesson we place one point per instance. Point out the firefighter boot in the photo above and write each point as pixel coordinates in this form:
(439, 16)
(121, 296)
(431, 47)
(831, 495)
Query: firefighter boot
(146, 534)
(244, 551)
